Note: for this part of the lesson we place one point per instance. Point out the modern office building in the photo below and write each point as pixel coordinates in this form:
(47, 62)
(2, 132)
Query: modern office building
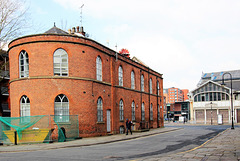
(176, 100)
(175, 95)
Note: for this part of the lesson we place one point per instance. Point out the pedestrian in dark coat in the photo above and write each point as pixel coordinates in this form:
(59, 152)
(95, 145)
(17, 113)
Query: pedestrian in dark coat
(128, 126)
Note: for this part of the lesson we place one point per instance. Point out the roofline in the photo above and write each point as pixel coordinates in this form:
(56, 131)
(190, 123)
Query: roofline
(208, 82)
(221, 71)
(70, 35)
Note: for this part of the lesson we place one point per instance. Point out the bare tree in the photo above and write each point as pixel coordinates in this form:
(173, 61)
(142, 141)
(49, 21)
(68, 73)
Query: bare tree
(12, 20)
(12, 24)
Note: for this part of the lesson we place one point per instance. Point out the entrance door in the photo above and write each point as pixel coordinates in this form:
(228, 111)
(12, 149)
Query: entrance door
(238, 115)
(108, 120)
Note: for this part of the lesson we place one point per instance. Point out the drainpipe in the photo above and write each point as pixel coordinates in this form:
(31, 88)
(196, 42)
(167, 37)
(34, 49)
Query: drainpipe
(141, 92)
(149, 99)
(158, 110)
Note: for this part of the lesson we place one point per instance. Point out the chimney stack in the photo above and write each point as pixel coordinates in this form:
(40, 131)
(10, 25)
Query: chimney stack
(73, 30)
(77, 30)
(82, 31)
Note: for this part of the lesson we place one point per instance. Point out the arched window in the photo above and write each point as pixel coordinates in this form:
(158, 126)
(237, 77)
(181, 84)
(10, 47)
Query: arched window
(133, 111)
(24, 106)
(158, 87)
(100, 110)
(151, 112)
(60, 62)
(143, 112)
(120, 76)
(99, 68)
(142, 83)
(23, 64)
(132, 80)
(121, 116)
(150, 86)
(61, 108)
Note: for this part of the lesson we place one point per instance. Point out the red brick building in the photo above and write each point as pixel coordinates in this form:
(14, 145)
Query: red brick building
(174, 95)
(60, 73)
(185, 94)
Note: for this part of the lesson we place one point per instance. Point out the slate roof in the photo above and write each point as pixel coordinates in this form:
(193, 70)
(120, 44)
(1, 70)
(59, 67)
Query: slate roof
(55, 30)
(217, 77)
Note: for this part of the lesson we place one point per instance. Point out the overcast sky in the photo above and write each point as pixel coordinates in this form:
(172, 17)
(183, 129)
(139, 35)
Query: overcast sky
(177, 38)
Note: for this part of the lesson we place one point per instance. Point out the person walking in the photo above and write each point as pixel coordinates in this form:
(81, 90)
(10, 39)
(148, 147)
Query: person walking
(128, 126)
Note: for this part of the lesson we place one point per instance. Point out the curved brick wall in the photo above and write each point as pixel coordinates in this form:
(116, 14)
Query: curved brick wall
(81, 86)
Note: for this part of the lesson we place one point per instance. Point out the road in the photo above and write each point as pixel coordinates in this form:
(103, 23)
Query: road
(186, 138)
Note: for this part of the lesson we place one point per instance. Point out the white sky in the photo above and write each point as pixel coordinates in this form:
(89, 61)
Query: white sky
(177, 38)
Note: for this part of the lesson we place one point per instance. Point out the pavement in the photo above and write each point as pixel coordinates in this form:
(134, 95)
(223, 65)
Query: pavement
(224, 146)
(83, 142)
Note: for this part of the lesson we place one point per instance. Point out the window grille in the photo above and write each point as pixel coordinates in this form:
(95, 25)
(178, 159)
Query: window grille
(142, 83)
(120, 76)
(133, 111)
(100, 110)
(60, 62)
(99, 68)
(132, 80)
(121, 116)
(61, 108)
(23, 64)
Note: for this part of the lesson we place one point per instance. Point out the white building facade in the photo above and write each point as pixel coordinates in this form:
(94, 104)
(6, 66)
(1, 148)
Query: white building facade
(211, 102)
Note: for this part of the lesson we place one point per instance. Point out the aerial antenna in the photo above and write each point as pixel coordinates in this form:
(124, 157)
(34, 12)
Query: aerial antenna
(81, 17)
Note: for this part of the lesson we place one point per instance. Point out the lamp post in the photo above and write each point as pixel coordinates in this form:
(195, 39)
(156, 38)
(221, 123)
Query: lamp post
(231, 94)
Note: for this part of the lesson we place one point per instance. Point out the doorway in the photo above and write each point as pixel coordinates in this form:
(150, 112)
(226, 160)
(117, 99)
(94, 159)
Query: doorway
(108, 120)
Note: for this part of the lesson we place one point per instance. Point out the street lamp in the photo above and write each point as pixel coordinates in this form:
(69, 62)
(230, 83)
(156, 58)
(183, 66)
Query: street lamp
(231, 94)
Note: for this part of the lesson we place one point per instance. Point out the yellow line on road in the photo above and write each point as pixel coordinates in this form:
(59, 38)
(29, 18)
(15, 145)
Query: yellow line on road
(203, 143)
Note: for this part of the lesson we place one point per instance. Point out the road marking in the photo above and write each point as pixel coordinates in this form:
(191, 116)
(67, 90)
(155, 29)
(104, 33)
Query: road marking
(203, 143)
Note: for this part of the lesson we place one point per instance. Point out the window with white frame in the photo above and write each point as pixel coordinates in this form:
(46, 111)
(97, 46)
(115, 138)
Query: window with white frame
(132, 80)
(121, 116)
(151, 112)
(143, 112)
(142, 83)
(158, 88)
(61, 108)
(23, 64)
(60, 62)
(100, 109)
(24, 106)
(133, 111)
(99, 68)
(150, 86)
(120, 76)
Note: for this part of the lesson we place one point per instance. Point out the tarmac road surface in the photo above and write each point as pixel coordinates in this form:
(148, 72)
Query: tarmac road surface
(156, 145)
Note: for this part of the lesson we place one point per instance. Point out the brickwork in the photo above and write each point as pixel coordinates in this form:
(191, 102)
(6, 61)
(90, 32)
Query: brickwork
(80, 86)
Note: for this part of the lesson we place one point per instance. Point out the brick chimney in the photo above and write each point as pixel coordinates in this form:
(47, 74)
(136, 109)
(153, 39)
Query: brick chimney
(82, 31)
(78, 29)
(73, 30)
